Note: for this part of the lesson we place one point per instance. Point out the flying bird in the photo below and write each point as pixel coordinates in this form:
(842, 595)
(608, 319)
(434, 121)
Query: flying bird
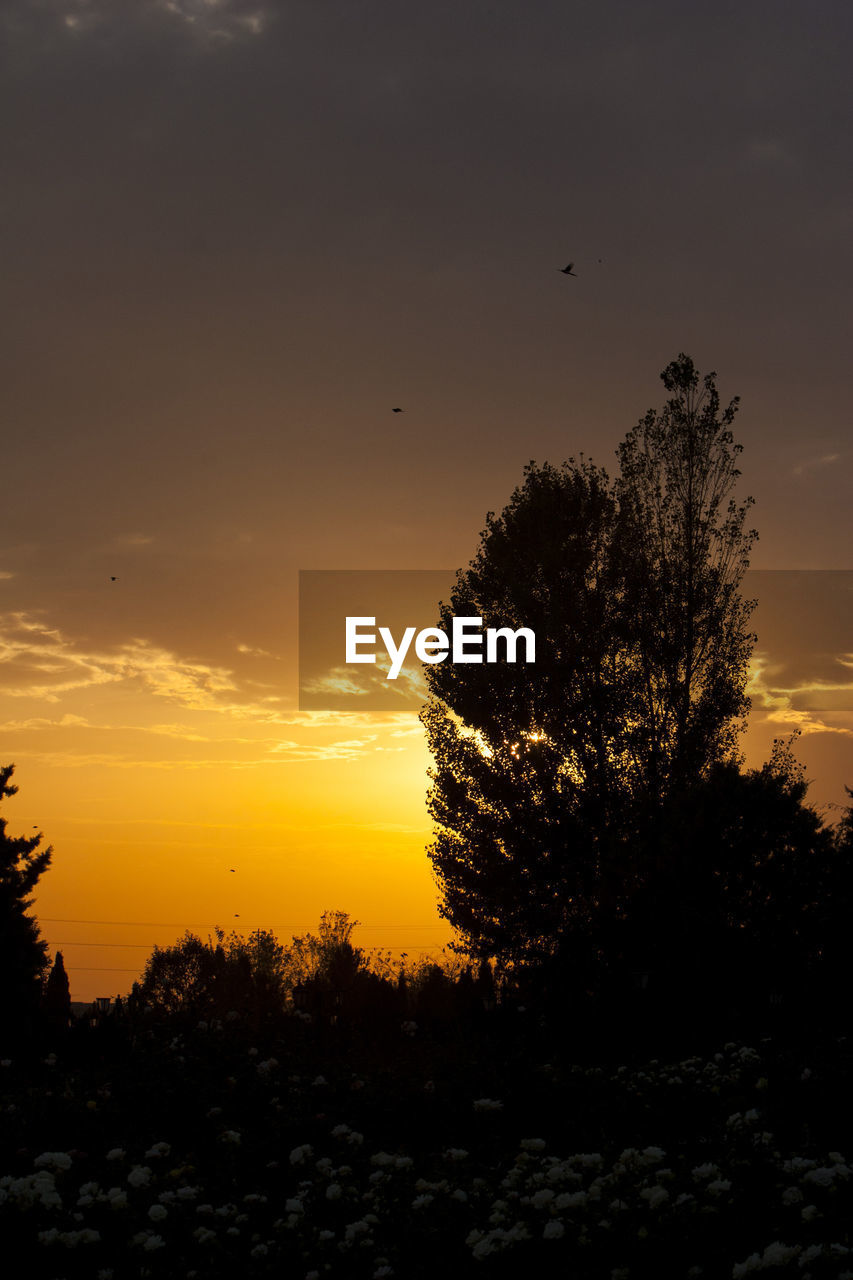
(231, 869)
(113, 579)
(567, 271)
(396, 410)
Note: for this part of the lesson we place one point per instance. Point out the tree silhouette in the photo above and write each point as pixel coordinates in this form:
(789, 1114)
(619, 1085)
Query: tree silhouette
(23, 953)
(684, 552)
(56, 1002)
(201, 978)
(549, 780)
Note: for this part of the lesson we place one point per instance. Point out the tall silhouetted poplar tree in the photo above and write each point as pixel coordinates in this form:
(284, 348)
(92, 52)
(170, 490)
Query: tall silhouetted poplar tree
(549, 780)
(684, 552)
(23, 954)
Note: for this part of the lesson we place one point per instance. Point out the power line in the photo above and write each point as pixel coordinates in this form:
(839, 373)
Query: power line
(141, 946)
(98, 968)
(275, 924)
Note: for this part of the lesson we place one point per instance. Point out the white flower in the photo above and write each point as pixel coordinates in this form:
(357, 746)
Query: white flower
(159, 1149)
(53, 1160)
(409, 1028)
(421, 1202)
(158, 1213)
(139, 1176)
(300, 1154)
(259, 1251)
(571, 1200)
(719, 1186)
(334, 1191)
(460, 1195)
(705, 1171)
(231, 1136)
(487, 1104)
(542, 1197)
(809, 1213)
(117, 1153)
(456, 1153)
(777, 1254)
(553, 1231)
(153, 1242)
(792, 1195)
(656, 1196)
(532, 1144)
(820, 1177)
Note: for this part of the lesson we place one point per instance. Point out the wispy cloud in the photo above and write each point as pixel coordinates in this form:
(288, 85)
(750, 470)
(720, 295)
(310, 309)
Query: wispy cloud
(251, 652)
(779, 704)
(133, 540)
(346, 750)
(279, 756)
(815, 464)
(28, 647)
(43, 722)
(370, 680)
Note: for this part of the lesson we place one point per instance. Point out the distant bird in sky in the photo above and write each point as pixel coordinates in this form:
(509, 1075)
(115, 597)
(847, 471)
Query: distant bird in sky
(396, 410)
(231, 869)
(236, 915)
(567, 271)
(113, 579)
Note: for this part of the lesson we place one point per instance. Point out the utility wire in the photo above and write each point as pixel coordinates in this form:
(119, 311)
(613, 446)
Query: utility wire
(275, 924)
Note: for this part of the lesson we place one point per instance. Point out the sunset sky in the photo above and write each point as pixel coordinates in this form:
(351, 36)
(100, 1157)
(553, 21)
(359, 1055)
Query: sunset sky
(234, 237)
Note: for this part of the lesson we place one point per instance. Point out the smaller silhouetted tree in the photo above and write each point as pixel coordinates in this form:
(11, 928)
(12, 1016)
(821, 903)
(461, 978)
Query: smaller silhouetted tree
(23, 953)
(56, 1002)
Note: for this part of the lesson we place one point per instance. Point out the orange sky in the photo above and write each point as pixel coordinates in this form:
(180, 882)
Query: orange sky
(234, 237)
(153, 774)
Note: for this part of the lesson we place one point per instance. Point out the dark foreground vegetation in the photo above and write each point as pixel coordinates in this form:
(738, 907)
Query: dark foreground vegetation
(304, 1112)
